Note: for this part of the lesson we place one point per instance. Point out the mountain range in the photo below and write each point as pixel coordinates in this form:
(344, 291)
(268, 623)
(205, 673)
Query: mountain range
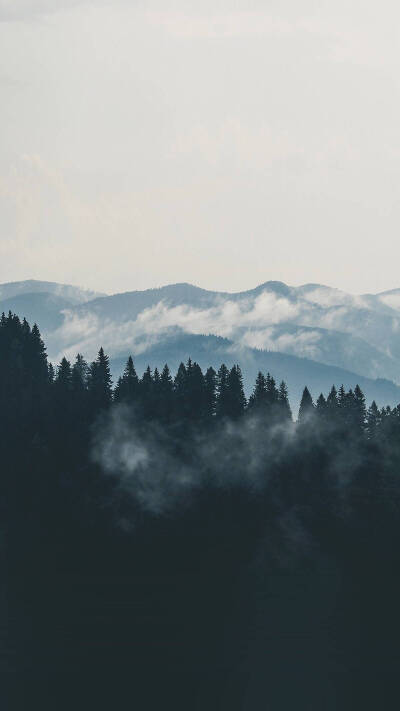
(311, 334)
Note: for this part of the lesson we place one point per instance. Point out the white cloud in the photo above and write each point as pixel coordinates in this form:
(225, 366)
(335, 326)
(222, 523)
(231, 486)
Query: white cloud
(85, 332)
(305, 344)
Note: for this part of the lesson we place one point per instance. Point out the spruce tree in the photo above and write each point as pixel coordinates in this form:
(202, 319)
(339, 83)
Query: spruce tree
(235, 394)
(79, 374)
(146, 389)
(272, 394)
(196, 392)
(306, 406)
(127, 388)
(258, 398)
(360, 411)
(166, 395)
(321, 405)
(211, 391)
(222, 404)
(180, 393)
(332, 399)
(285, 412)
(100, 382)
(373, 420)
(63, 376)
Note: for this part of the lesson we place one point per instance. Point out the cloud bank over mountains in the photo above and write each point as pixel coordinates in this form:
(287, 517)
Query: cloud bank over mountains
(359, 333)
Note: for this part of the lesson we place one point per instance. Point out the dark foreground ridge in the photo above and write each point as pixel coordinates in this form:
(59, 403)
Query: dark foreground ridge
(169, 545)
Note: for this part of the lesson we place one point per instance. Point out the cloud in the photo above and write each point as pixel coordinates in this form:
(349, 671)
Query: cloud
(392, 300)
(305, 344)
(85, 331)
(145, 463)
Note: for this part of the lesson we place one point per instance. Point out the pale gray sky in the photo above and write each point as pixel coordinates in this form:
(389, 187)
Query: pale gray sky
(222, 143)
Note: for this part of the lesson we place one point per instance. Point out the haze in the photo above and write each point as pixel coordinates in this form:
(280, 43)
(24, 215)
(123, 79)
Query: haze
(220, 143)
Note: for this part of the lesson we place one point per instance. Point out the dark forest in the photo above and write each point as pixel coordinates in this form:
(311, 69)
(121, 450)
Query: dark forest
(169, 544)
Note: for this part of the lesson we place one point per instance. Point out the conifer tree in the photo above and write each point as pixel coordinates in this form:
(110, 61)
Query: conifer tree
(306, 406)
(272, 394)
(285, 412)
(51, 373)
(321, 405)
(211, 391)
(222, 405)
(38, 357)
(196, 392)
(63, 377)
(79, 374)
(258, 398)
(166, 395)
(100, 382)
(236, 400)
(342, 400)
(146, 386)
(373, 420)
(332, 399)
(127, 388)
(180, 392)
(360, 411)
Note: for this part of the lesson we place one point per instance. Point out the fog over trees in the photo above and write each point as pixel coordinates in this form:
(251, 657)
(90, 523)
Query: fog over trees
(154, 531)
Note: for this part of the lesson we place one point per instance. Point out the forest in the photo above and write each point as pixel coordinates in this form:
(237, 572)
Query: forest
(168, 543)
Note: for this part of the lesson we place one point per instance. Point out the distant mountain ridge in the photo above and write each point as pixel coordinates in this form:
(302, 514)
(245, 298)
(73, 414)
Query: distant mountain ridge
(314, 323)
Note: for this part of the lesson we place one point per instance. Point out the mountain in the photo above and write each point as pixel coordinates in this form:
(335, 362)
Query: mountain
(313, 323)
(73, 294)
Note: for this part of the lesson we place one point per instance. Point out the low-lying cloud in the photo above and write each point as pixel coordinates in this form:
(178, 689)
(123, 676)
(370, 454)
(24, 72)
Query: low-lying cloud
(145, 464)
(84, 332)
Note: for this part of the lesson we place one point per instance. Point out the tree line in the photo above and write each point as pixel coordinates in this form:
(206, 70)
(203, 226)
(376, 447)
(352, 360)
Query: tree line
(33, 390)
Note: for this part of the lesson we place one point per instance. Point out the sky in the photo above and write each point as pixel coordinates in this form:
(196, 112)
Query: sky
(219, 143)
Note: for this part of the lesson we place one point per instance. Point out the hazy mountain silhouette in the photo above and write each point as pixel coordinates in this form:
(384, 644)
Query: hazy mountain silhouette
(293, 331)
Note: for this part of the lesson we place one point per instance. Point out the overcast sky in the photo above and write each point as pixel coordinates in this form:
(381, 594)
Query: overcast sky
(222, 143)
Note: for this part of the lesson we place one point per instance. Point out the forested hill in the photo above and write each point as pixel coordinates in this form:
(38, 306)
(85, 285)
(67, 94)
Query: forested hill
(167, 539)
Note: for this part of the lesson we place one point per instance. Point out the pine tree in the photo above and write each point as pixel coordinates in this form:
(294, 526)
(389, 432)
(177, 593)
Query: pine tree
(166, 395)
(321, 405)
(38, 357)
(258, 398)
(180, 393)
(306, 406)
(360, 411)
(373, 420)
(100, 382)
(79, 374)
(235, 394)
(196, 392)
(342, 400)
(222, 405)
(332, 399)
(272, 394)
(146, 386)
(127, 388)
(63, 376)
(211, 391)
(285, 412)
